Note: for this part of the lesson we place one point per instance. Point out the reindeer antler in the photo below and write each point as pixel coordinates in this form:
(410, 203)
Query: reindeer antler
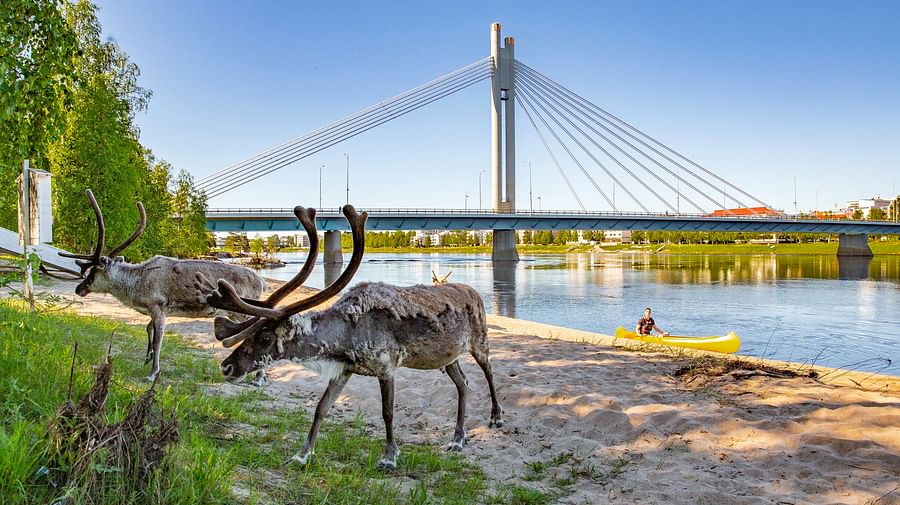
(86, 260)
(134, 236)
(224, 296)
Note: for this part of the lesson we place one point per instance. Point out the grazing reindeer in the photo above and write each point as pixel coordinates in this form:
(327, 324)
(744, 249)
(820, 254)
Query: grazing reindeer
(373, 330)
(437, 281)
(158, 287)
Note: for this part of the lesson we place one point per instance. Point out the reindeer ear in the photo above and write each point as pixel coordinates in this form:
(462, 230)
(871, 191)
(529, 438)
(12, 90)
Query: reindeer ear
(224, 327)
(256, 325)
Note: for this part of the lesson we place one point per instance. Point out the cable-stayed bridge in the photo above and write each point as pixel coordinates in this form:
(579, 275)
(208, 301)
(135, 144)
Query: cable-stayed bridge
(591, 149)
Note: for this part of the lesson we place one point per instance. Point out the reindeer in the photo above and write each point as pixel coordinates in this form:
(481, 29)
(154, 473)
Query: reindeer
(158, 287)
(437, 281)
(372, 330)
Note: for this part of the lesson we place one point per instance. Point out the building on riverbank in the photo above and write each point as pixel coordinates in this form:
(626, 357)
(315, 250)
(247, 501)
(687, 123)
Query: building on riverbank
(746, 211)
(865, 205)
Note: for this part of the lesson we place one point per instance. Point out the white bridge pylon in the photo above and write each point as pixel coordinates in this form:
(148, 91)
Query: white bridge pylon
(503, 140)
(503, 114)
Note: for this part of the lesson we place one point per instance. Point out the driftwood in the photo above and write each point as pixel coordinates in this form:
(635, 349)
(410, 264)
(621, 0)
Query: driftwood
(95, 459)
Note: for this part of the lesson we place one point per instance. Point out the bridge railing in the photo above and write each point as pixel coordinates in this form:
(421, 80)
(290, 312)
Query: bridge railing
(407, 211)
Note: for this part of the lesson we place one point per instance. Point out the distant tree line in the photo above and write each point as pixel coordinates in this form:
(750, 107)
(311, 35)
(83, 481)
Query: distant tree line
(68, 102)
(239, 242)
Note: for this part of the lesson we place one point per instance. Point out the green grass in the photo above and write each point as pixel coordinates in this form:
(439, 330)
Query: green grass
(232, 449)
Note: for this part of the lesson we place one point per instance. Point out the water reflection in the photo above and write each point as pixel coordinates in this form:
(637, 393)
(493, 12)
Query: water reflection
(503, 294)
(727, 269)
(332, 272)
(853, 268)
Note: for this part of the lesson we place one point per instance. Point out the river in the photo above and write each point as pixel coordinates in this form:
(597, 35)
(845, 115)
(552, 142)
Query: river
(839, 313)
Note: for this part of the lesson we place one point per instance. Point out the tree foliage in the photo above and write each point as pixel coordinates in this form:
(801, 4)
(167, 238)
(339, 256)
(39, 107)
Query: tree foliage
(256, 246)
(876, 214)
(38, 51)
(99, 149)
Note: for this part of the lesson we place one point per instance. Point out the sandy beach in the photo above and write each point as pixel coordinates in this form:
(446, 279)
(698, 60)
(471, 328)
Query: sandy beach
(621, 422)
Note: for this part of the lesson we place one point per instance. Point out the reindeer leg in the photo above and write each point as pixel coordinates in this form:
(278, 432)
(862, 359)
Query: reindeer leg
(459, 437)
(158, 320)
(260, 379)
(391, 452)
(480, 353)
(149, 354)
(334, 388)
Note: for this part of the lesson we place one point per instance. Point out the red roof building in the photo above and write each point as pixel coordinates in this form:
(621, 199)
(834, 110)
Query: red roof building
(746, 211)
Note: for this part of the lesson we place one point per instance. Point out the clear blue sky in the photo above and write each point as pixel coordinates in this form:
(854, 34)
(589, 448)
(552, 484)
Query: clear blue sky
(760, 92)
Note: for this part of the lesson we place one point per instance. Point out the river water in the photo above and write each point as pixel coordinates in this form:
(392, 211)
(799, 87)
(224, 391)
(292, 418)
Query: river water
(839, 313)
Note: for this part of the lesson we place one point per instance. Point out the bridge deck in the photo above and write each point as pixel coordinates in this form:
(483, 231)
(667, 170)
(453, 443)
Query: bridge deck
(236, 220)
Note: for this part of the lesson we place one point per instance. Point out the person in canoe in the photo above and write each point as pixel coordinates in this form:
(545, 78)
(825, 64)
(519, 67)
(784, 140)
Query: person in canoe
(646, 324)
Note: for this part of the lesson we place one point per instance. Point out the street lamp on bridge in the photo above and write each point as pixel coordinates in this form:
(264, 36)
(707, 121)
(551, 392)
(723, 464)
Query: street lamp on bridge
(483, 170)
(530, 201)
(348, 177)
(320, 185)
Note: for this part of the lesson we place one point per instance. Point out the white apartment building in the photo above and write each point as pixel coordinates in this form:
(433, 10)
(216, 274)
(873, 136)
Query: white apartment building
(623, 236)
(867, 204)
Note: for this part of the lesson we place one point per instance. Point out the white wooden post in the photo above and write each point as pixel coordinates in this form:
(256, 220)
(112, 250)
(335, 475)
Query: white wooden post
(26, 233)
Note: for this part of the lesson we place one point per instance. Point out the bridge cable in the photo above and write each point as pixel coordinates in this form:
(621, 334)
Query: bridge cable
(406, 104)
(618, 126)
(556, 98)
(636, 149)
(526, 86)
(219, 187)
(368, 110)
(531, 94)
(525, 97)
(572, 94)
(525, 105)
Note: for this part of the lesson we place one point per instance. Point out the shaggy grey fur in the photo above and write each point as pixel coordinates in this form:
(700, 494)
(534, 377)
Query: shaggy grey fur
(373, 330)
(163, 286)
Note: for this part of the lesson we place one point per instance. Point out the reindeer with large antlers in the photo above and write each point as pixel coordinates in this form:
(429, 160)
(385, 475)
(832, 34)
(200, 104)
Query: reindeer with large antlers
(372, 330)
(158, 287)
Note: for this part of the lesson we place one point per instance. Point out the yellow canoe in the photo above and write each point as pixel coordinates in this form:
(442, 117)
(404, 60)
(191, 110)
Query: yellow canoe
(727, 344)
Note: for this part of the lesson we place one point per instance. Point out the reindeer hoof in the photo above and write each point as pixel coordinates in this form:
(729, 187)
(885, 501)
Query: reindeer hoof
(387, 465)
(302, 460)
(152, 377)
(456, 445)
(495, 423)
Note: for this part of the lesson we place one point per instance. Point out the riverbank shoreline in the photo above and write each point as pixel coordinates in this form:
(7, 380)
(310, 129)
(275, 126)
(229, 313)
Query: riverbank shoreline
(879, 248)
(589, 416)
(829, 375)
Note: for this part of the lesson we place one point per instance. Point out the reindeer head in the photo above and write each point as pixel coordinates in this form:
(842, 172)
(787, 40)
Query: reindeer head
(263, 336)
(437, 281)
(95, 266)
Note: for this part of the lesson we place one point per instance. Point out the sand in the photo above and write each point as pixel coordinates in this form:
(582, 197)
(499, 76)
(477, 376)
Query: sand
(620, 424)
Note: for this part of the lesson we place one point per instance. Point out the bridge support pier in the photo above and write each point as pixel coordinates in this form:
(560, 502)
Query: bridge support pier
(504, 248)
(854, 244)
(333, 253)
